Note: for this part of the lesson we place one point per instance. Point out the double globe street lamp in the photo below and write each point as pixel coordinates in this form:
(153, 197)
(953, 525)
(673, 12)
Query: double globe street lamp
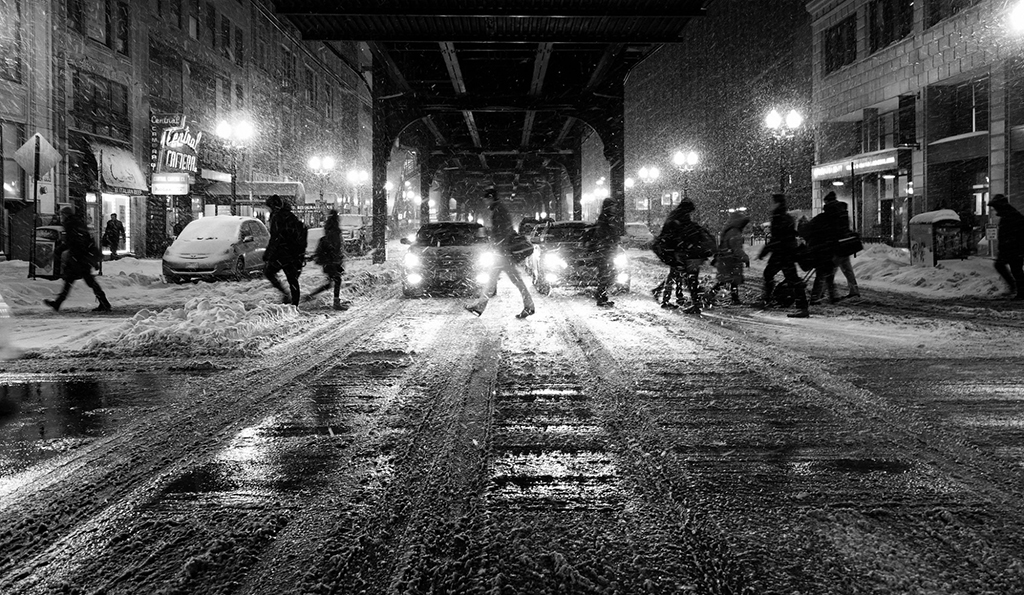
(321, 166)
(236, 137)
(783, 129)
(686, 162)
(647, 176)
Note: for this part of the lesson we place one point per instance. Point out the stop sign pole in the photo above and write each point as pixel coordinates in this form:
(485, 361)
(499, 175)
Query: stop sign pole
(35, 155)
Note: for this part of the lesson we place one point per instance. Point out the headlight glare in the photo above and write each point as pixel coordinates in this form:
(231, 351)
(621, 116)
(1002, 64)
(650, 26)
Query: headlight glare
(411, 260)
(486, 259)
(621, 261)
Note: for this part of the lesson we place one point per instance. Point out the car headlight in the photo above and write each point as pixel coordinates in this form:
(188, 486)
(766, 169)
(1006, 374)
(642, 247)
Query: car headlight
(411, 260)
(483, 278)
(414, 279)
(486, 259)
(621, 261)
(554, 261)
(622, 278)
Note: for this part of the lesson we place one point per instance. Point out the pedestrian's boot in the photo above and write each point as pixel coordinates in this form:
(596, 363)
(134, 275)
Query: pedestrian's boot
(104, 304)
(477, 307)
(800, 314)
(734, 296)
(338, 305)
(55, 304)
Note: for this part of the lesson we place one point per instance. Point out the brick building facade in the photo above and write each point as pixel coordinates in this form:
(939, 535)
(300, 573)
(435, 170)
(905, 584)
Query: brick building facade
(125, 90)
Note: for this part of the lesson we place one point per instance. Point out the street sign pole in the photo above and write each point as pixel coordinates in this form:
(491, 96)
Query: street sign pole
(35, 212)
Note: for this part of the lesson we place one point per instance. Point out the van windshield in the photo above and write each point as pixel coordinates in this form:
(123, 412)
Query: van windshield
(210, 229)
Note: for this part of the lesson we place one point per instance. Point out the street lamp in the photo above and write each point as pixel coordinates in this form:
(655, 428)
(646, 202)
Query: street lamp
(321, 167)
(686, 162)
(648, 175)
(783, 129)
(1017, 17)
(357, 177)
(235, 135)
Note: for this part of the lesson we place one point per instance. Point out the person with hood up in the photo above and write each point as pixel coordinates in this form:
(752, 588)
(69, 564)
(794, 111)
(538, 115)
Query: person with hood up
(840, 220)
(603, 241)
(820, 235)
(78, 259)
(330, 255)
(286, 250)
(686, 245)
(502, 231)
(1010, 249)
(731, 257)
(782, 246)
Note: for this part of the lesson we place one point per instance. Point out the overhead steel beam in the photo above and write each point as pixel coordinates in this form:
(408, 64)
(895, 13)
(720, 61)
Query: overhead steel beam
(390, 67)
(474, 133)
(432, 127)
(319, 30)
(451, 62)
(540, 67)
(527, 128)
(376, 9)
(566, 128)
(460, 150)
(603, 66)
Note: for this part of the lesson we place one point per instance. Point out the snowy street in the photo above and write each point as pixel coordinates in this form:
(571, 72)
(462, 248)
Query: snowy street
(213, 442)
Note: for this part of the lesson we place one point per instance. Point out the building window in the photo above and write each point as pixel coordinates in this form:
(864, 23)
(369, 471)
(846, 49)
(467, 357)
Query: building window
(225, 96)
(174, 6)
(76, 17)
(310, 88)
(193, 20)
(841, 44)
(122, 41)
(328, 102)
(211, 24)
(14, 181)
(10, 41)
(204, 89)
(239, 97)
(942, 9)
(226, 49)
(889, 21)
(165, 75)
(288, 66)
(96, 20)
(239, 47)
(99, 106)
(958, 109)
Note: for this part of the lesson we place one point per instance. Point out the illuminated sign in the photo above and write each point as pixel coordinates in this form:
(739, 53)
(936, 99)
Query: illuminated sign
(169, 184)
(176, 143)
(863, 164)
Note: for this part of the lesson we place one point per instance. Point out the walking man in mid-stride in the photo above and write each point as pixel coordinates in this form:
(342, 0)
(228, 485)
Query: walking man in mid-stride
(286, 250)
(78, 260)
(782, 245)
(1010, 256)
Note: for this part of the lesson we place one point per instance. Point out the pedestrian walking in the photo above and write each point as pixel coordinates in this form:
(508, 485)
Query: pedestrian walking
(508, 257)
(113, 233)
(286, 250)
(80, 256)
(782, 246)
(603, 243)
(684, 245)
(731, 257)
(1010, 249)
(330, 255)
(840, 220)
(820, 235)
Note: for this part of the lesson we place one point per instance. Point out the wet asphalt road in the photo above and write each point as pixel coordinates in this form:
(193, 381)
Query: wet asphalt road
(408, 447)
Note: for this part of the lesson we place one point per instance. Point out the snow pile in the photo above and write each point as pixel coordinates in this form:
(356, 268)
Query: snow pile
(203, 326)
(880, 264)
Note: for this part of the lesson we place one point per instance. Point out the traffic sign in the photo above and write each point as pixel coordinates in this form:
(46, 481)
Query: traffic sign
(26, 155)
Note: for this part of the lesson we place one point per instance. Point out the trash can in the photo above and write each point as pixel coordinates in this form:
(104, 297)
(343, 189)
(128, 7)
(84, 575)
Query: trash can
(48, 249)
(938, 235)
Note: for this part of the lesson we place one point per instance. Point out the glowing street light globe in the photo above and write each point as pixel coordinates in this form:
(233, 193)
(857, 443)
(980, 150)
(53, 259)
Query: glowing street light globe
(773, 120)
(794, 119)
(1017, 17)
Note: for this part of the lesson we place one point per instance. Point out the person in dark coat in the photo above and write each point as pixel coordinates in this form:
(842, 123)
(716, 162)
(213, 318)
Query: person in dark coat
(604, 242)
(1010, 249)
(286, 250)
(330, 255)
(501, 233)
(819, 233)
(77, 260)
(840, 220)
(782, 246)
(686, 239)
(113, 233)
(731, 257)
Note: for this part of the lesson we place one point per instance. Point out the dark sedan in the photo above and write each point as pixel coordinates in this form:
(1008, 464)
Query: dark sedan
(447, 257)
(561, 258)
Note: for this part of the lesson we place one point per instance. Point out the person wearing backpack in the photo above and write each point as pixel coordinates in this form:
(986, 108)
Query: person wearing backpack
(782, 246)
(686, 245)
(603, 242)
(286, 250)
(509, 255)
(330, 255)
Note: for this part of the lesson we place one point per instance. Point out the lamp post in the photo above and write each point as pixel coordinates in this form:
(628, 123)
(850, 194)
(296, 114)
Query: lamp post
(1017, 17)
(686, 162)
(235, 135)
(321, 167)
(357, 177)
(648, 175)
(783, 129)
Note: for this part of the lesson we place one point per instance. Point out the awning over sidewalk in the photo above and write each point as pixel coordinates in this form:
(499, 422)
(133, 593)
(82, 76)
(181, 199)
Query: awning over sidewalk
(257, 192)
(119, 171)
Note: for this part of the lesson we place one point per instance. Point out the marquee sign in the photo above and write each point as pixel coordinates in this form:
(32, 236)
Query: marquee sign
(176, 144)
(862, 164)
